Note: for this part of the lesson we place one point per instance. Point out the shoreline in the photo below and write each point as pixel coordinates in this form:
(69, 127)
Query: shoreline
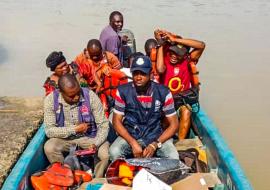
(20, 118)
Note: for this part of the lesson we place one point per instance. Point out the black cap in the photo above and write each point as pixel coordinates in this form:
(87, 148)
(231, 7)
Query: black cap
(179, 49)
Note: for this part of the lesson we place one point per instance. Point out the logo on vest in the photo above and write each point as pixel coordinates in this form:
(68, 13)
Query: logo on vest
(84, 109)
(157, 105)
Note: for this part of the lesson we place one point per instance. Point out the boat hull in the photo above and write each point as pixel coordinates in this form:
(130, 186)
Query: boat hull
(220, 158)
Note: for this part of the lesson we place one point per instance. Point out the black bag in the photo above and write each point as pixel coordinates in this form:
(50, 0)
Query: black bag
(165, 169)
(191, 158)
(187, 97)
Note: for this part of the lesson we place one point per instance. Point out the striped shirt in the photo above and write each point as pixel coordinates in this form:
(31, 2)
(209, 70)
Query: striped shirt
(146, 102)
(72, 120)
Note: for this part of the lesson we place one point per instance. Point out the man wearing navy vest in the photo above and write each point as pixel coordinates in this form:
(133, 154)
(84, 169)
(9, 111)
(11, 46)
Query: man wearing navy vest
(138, 111)
(74, 115)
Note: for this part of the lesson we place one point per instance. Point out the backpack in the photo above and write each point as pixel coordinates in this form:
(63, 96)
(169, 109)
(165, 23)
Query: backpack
(191, 158)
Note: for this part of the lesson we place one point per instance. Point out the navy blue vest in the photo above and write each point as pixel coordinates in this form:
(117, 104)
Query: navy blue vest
(141, 123)
(84, 112)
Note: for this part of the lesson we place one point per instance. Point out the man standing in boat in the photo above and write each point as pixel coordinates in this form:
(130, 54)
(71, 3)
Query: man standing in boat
(137, 116)
(175, 64)
(74, 115)
(109, 38)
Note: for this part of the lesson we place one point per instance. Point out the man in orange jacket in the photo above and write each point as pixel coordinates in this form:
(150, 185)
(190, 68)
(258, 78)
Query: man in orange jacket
(93, 62)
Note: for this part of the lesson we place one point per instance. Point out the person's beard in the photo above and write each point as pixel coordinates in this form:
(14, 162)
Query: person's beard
(141, 90)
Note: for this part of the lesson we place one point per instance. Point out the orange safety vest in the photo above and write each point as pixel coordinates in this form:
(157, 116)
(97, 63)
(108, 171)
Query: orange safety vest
(110, 85)
(194, 74)
(153, 58)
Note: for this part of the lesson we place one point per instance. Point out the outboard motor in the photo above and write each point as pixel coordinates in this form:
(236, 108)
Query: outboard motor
(128, 47)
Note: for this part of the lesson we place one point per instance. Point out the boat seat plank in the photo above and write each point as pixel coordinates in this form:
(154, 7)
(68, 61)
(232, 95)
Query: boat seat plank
(188, 143)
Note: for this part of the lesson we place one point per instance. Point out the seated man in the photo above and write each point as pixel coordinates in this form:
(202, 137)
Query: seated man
(74, 115)
(94, 62)
(138, 110)
(58, 65)
(174, 64)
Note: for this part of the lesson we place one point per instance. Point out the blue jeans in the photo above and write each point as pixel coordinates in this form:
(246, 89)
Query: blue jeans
(120, 149)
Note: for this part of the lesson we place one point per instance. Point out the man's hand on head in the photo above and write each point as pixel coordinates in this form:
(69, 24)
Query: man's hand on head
(158, 34)
(170, 37)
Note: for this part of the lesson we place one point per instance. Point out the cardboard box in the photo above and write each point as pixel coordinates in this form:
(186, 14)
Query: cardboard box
(211, 179)
(193, 182)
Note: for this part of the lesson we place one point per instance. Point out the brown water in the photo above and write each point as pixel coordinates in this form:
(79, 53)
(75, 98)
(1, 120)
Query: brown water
(234, 67)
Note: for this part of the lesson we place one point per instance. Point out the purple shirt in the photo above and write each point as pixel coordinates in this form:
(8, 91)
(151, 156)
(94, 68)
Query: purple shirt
(110, 40)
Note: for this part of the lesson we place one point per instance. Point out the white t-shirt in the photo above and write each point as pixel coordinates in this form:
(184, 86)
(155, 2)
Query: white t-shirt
(127, 72)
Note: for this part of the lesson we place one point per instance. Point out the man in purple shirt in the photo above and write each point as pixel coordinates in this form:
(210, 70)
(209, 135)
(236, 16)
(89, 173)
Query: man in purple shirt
(109, 38)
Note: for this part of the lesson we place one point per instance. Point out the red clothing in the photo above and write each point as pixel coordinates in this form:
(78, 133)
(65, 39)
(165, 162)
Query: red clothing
(87, 67)
(49, 86)
(177, 76)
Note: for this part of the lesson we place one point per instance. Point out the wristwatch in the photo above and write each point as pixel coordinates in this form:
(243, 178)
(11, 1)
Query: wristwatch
(159, 144)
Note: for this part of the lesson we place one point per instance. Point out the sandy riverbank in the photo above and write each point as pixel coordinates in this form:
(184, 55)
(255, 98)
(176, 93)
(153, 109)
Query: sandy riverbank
(20, 118)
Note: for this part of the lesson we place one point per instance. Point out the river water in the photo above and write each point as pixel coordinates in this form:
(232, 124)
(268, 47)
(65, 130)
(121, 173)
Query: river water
(234, 68)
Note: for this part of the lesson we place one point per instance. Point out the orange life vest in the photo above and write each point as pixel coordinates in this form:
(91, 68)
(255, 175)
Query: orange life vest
(110, 85)
(81, 176)
(59, 174)
(40, 182)
(194, 74)
(153, 58)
